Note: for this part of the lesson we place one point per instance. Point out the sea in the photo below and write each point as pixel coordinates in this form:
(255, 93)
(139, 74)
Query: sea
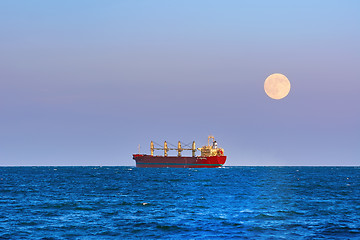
(179, 203)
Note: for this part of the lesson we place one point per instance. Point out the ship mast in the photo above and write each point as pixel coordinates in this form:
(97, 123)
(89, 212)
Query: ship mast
(213, 139)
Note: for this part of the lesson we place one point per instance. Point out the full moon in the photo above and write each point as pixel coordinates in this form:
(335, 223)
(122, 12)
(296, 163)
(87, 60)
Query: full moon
(277, 86)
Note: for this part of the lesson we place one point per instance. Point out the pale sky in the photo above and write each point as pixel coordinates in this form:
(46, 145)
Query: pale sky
(85, 82)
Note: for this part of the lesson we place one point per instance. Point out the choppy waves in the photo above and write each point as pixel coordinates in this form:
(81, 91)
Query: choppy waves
(230, 202)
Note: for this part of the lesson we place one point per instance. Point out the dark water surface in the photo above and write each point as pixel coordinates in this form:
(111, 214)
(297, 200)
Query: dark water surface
(129, 202)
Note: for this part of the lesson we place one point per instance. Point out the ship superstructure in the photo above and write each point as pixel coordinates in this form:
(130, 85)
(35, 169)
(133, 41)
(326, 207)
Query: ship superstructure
(211, 156)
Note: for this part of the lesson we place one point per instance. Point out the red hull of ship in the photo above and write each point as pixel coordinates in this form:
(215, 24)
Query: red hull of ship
(146, 161)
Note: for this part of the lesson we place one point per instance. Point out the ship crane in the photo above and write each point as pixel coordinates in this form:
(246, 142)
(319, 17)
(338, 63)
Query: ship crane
(166, 148)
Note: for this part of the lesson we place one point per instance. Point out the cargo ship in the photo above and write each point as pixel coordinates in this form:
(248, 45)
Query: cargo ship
(211, 157)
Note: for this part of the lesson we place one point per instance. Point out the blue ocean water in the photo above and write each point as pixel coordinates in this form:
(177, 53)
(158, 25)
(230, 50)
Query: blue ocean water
(168, 203)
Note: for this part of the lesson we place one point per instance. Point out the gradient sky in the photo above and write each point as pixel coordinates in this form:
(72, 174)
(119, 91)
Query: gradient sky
(85, 82)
